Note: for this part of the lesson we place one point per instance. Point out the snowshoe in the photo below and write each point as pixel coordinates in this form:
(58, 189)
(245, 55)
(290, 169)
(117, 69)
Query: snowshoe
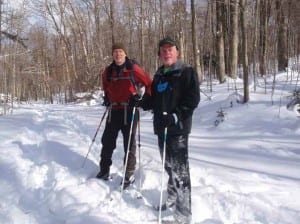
(168, 204)
(127, 182)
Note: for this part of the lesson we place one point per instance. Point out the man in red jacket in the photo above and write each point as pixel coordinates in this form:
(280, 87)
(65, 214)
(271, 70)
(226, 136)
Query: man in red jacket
(122, 81)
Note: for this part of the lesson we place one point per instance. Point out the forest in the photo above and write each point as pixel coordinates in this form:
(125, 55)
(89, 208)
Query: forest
(52, 49)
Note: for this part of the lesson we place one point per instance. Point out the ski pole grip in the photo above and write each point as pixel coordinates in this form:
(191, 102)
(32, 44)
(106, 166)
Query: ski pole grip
(165, 131)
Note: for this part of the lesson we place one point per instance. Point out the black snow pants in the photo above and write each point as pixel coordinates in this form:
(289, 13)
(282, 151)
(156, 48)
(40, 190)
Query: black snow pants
(116, 122)
(177, 168)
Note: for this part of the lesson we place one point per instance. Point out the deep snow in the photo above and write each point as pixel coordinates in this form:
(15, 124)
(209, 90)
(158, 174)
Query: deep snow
(245, 170)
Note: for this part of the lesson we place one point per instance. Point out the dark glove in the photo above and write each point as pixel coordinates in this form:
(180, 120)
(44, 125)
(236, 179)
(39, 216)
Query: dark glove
(106, 101)
(168, 119)
(134, 100)
(146, 102)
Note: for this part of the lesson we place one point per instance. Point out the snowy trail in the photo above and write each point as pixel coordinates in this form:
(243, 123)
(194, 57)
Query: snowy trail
(53, 178)
(40, 144)
(245, 171)
(43, 168)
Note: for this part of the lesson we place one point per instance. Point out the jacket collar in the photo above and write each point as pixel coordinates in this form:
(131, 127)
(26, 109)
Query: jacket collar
(173, 69)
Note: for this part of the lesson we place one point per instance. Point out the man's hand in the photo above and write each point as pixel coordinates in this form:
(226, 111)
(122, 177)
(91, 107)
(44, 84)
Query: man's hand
(106, 101)
(134, 100)
(169, 119)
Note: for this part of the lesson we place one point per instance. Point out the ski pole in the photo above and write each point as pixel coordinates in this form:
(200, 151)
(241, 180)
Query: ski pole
(94, 137)
(128, 147)
(205, 94)
(140, 172)
(162, 170)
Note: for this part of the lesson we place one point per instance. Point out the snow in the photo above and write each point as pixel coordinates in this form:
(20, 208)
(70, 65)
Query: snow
(245, 170)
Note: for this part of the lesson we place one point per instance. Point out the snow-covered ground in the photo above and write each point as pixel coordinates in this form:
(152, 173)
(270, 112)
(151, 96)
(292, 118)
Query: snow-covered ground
(245, 170)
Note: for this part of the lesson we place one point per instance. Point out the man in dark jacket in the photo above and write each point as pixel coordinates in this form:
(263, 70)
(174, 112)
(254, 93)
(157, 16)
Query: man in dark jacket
(121, 81)
(175, 95)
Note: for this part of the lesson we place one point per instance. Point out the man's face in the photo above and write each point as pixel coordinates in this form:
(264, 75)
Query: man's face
(168, 54)
(119, 56)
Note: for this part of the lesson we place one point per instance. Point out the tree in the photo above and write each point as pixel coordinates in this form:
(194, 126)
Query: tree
(195, 42)
(255, 38)
(282, 56)
(69, 45)
(220, 69)
(142, 18)
(112, 21)
(233, 38)
(244, 50)
(263, 31)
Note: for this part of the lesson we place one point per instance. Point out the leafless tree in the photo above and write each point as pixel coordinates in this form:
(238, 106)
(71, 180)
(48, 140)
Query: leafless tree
(244, 49)
(263, 36)
(233, 38)
(195, 42)
(220, 53)
(254, 41)
(67, 47)
(282, 50)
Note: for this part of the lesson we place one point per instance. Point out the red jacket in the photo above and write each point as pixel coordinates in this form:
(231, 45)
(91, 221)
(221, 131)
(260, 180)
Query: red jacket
(119, 87)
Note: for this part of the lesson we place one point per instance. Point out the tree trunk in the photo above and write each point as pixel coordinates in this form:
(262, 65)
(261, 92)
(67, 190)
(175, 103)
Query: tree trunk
(244, 51)
(161, 20)
(142, 34)
(282, 55)
(263, 38)
(233, 40)
(195, 42)
(112, 21)
(254, 50)
(220, 42)
(225, 25)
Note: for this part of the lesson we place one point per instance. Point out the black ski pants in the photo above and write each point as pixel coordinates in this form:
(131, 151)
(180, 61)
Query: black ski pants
(177, 168)
(115, 123)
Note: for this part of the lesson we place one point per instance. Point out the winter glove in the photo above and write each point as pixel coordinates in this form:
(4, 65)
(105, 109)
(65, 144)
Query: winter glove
(134, 100)
(146, 102)
(106, 101)
(169, 119)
